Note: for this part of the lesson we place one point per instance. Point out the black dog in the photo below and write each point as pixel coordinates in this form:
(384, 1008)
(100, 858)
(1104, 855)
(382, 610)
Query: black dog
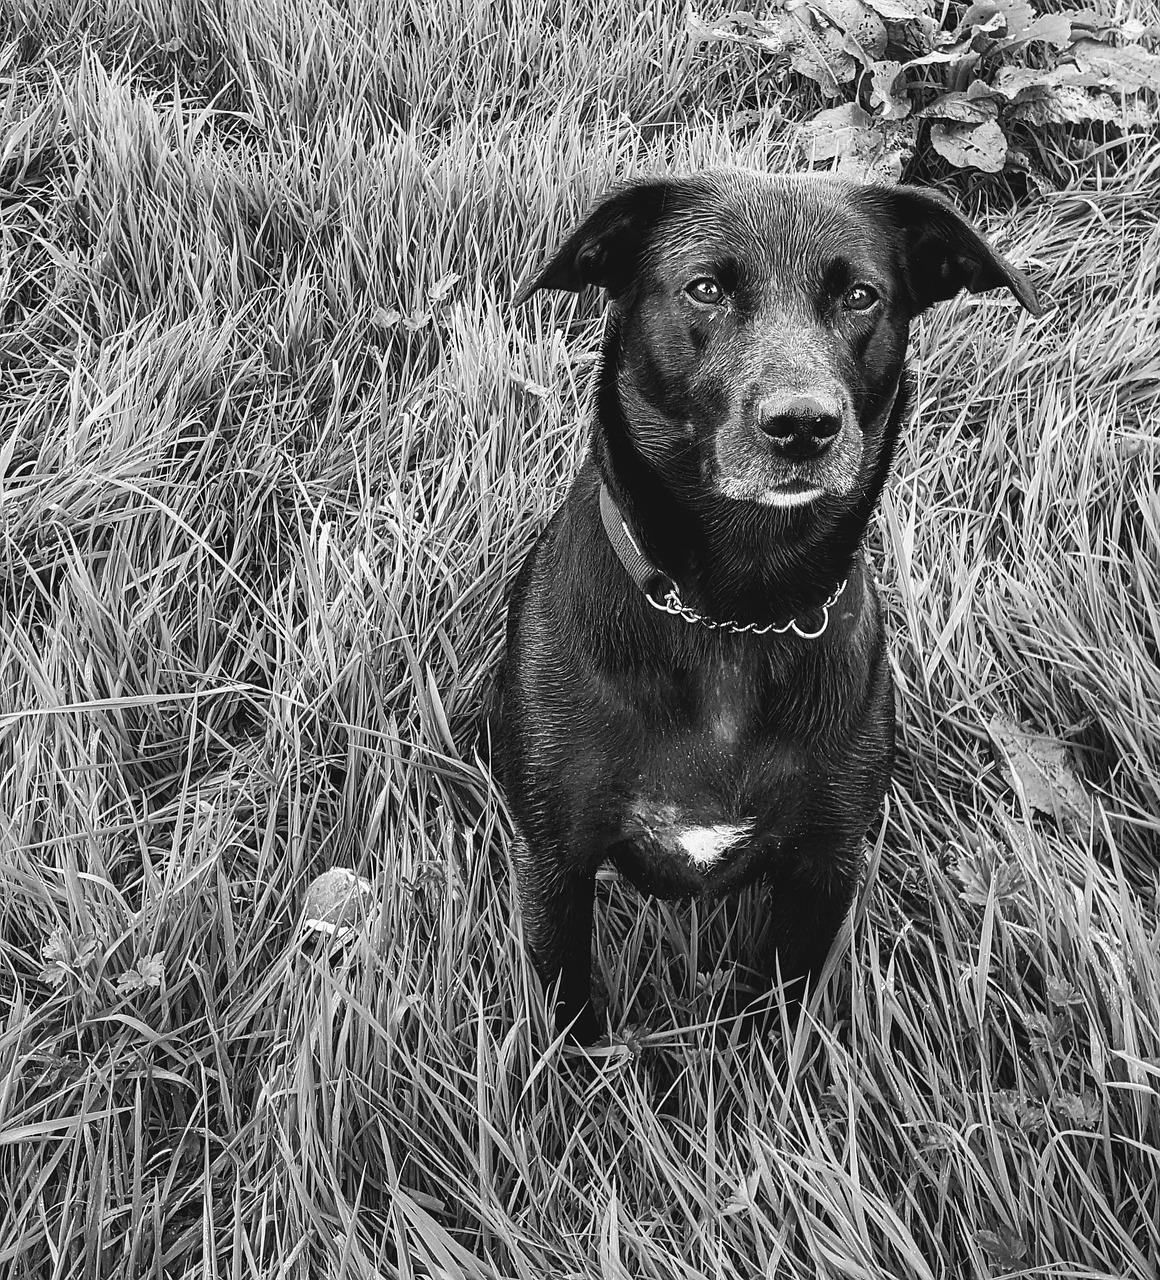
(695, 683)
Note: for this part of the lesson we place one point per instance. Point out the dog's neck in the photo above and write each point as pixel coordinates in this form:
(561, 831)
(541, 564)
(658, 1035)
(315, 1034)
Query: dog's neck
(730, 559)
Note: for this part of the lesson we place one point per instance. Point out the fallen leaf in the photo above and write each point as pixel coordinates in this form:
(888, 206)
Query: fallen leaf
(955, 54)
(336, 901)
(1079, 1110)
(1006, 1246)
(834, 131)
(820, 55)
(1128, 68)
(1047, 1030)
(971, 146)
(858, 22)
(149, 972)
(1019, 15)
(442, 288)
(1012, 1107)
(983, 24)
(866, 148)
(1039, 770)
(529, 387)
(976, 872)
(894, 143)
(963, 108)
(980, 14)
(897, 10)
(1064, 104)
(811, 45)
(1013, 81)
(1091, 20)
(884, 76)
(1053, 28)
(1060, 992)
(1133, 30)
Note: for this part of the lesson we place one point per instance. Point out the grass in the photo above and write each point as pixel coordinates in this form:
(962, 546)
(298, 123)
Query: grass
(273, 445)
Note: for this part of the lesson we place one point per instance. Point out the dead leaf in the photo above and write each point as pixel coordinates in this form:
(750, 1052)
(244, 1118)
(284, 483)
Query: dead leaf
(896, 140)
(1053, 28)
(150, 972)
(971, 146)
(1006, 1246)
(1079, 1110)
(1020, 160)
(820, 55)
(1127, 68)
(980, 14)
(1091, 20)
(1061, 992)
(963, 108)
(810, 45)
(529, 387)
(866, 148)
(1048, 1032)
(983, 25)
(385, 319)
(981, 873)
(1013, 81)
(1012, 1108)
(1133, 31)
(897, 10)
(440, 290)
(884, 76)
(1064, 104)
(336, 901)
(858, 23)
(1039, 770)
(954, 55)
(1019, 15)
(835, 132)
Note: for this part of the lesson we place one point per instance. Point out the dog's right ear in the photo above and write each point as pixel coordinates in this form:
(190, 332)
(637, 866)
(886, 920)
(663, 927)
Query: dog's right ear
(605, 248)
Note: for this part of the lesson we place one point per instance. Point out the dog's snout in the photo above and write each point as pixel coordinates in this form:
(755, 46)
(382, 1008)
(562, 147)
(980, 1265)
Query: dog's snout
(800, 425)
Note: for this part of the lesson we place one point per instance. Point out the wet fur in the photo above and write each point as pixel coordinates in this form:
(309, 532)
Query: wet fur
(615, 721)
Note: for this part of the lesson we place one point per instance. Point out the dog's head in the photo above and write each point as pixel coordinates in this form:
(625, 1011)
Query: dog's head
(762, 320)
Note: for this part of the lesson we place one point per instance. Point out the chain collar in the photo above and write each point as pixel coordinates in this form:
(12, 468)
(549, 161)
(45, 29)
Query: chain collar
(672, 604)
(645, 574)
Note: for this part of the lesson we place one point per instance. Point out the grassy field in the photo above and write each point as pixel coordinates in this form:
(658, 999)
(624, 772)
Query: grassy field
(273, 444)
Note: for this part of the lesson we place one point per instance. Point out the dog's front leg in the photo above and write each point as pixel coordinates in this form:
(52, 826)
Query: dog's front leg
(806, 905)
(556, 898)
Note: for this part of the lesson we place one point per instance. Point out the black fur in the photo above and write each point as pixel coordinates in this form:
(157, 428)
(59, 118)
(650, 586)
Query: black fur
(620, 728)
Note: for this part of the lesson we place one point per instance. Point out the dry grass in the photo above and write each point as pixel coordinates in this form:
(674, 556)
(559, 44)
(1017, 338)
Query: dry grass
(272, 444)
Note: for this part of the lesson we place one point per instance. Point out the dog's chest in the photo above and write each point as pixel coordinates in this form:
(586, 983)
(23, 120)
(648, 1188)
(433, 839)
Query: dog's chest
(702, 792)
(727, 704)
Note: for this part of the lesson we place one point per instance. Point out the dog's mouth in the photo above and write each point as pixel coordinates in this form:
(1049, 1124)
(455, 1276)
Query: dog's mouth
(795, 493)
(756, 481)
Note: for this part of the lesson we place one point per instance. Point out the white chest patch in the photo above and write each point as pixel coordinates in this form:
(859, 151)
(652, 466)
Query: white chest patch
(705, 845)
(726, 726)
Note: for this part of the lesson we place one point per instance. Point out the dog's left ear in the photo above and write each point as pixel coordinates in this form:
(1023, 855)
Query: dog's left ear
(605, 248)
(944, 252)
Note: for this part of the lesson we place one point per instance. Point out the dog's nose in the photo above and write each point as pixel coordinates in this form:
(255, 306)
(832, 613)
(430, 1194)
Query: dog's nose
(799, 426)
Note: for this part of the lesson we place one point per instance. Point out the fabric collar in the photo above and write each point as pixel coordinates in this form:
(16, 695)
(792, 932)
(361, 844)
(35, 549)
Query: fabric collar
(638, 566)
(648, 577)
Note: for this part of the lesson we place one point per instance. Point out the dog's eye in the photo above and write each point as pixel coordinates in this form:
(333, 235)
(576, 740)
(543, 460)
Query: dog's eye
(705, 289)
(861, 297)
